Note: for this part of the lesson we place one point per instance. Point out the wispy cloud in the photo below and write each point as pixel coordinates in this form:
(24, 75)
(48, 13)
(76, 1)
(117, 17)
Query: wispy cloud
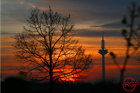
(117, 24)
(96, 33)
(32, 5)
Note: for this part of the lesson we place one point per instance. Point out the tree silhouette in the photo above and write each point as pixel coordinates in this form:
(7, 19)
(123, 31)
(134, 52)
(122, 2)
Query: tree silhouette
(47, 48)
(131, 36)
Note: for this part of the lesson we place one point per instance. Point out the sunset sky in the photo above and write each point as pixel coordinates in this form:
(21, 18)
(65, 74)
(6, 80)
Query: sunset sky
(91, 18)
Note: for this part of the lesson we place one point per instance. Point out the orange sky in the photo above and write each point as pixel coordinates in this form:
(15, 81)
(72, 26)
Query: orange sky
(91, 18)
(91, 44)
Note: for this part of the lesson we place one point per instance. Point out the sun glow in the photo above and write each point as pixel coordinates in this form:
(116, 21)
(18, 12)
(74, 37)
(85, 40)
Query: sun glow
(68, 78)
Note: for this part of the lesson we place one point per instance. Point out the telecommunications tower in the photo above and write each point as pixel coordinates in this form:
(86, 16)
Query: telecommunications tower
(103, 52)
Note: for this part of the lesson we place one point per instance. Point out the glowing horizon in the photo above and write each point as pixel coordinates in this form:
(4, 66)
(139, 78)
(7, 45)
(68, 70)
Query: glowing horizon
(9, 66)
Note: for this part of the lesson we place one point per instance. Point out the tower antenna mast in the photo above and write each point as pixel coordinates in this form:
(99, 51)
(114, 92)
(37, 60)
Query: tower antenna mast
(103, 51)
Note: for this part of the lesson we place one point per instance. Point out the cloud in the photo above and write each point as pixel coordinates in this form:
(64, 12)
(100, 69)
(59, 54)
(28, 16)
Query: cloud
(7, 33)
(82, 12)
(32, 5)
(112, 25)
(95, 33)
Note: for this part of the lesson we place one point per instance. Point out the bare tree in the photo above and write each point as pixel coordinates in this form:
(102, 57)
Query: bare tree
(47, 48)
(131, 36)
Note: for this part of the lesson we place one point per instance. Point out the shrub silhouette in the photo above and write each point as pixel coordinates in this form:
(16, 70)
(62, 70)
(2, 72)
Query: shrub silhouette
(15, 85)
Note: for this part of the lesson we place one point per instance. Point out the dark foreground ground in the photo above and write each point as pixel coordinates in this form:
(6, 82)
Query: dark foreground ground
(16, 85)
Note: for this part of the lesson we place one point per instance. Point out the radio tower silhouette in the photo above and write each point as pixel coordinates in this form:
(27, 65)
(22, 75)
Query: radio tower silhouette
(103, 52)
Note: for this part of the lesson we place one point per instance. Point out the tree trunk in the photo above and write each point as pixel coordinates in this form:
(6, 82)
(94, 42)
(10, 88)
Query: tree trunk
(51, 71)
(121, 76)
(51, 77)
(121, 81)
(51, 81)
